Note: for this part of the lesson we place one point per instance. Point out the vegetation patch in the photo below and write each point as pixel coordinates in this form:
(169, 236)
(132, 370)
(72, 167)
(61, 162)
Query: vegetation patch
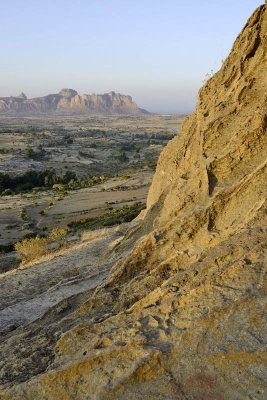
(34, 248)
(30, 153)
(6, 248)
(46, 179)
(71, 272)
(7, 265)
(109, 218)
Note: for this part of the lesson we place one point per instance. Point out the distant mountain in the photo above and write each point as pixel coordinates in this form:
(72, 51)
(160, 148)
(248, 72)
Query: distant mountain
(68, 101)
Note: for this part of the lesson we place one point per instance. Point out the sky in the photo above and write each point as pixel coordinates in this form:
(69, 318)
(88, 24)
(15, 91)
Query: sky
(157, 51)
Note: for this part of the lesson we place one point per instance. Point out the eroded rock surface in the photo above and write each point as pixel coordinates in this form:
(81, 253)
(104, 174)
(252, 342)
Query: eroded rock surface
(181, 314)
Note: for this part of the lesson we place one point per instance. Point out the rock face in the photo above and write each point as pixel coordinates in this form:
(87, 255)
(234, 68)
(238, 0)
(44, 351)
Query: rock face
(181, 314)
(67, 101)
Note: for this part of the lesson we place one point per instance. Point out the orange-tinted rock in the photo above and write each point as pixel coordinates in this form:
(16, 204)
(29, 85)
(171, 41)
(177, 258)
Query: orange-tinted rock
(181, 315)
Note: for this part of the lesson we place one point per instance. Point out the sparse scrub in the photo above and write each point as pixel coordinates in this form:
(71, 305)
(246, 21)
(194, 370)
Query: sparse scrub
(5, 151)
(7, 265)
(12, 226)
(29, 153)
(24, 215)
(109, 218)
(93, 235)
(71, 272)
(52, 283)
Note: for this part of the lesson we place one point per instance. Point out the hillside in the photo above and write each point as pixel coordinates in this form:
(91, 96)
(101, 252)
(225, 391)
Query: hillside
(179, 313)
(67, 101)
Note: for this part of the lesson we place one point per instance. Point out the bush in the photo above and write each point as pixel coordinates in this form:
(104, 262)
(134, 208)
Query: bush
(34, 248)
(31, 249)
(58, 235)
(59, 187)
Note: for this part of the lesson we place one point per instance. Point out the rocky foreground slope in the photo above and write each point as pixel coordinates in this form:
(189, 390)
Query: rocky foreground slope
(181, 314)
(68, 101)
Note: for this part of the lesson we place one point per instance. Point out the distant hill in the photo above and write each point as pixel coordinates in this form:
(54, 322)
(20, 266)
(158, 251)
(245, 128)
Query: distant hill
(69, 102)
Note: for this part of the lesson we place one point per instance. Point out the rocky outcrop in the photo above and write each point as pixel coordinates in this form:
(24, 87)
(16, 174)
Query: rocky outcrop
(181, 314)
(67, 101)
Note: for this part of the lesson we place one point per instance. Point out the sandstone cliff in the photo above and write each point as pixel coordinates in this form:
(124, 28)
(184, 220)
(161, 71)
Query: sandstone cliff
(67, 101)
(181, 314)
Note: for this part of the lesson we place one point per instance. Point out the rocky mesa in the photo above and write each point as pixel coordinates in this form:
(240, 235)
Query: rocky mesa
(180, 315)
(68, 102)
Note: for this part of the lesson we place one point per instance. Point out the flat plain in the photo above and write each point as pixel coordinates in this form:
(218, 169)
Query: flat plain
(120, 152)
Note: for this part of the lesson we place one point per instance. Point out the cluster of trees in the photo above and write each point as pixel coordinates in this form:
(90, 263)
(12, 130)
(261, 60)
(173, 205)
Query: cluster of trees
(33, 180)
(79, 183)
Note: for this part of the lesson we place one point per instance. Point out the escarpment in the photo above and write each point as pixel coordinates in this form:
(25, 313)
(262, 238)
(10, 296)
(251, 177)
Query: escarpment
(181, 314)
(68, 102)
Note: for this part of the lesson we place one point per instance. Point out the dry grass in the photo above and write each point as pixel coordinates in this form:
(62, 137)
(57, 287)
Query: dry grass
(116, 241)
(90, 236)
(31, 249)
(34, 248)
(98, 234)
(51, 255)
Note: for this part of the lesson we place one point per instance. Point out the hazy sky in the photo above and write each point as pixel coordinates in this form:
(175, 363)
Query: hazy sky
(158, 51)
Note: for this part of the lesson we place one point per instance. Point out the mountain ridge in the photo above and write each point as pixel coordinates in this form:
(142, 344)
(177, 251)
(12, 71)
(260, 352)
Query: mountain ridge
(69, 102)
